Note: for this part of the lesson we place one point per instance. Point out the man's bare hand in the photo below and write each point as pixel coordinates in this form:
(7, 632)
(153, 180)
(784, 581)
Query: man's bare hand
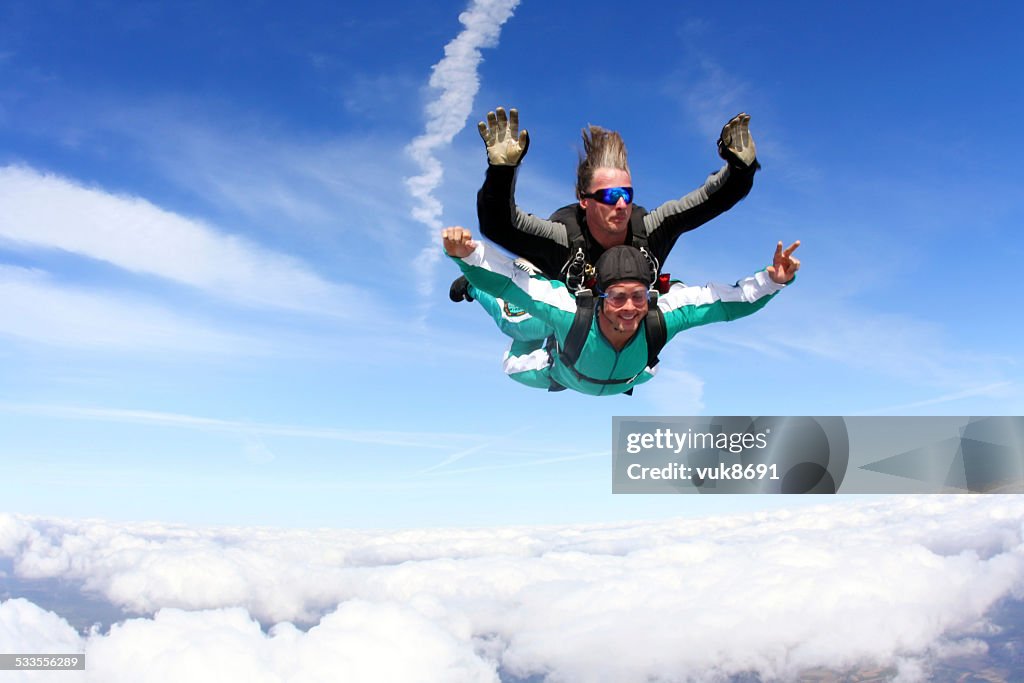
(506, 144)
(736, 144)
(458, 242)
(784, 266)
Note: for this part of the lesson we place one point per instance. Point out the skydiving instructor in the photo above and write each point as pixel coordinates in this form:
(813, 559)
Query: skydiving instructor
(566, 245)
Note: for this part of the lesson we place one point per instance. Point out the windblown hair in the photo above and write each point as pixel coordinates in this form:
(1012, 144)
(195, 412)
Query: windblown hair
(601, 149)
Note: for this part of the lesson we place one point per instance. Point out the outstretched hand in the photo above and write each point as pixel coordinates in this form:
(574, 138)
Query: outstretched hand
(736, 145)
(784, 266)
(458, 242)
(506, 144)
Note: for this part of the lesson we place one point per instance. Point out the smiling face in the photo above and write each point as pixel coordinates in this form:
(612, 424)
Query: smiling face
(623, 310)
(608, 224)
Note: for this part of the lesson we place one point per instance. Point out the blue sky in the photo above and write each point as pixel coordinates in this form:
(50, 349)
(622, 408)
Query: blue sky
(216, 305)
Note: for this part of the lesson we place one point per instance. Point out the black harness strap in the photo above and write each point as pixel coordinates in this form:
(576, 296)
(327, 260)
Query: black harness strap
(654, 330)
(551, 346)
(569, 353)
(605, 382)
(577, 337)
(578, 266)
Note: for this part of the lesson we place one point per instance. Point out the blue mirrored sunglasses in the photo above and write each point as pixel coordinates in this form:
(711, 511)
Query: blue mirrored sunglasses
(611, 195)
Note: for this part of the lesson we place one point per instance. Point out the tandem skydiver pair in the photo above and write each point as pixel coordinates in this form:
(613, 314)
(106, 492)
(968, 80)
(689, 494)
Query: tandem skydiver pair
(588, 278)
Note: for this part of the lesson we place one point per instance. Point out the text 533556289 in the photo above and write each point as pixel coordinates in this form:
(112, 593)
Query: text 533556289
(48, 662)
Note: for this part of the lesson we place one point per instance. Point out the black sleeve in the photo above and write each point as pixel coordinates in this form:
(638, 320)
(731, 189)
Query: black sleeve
(496, 204)
(542, 242)
(722, 191)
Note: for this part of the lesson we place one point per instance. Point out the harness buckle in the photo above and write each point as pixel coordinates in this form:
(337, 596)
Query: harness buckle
(576, 271)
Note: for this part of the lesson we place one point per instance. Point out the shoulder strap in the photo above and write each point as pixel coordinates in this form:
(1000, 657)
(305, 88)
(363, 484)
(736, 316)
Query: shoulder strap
(656, 331)
(570, 216)
(574, 271)
(580, 328)
(637, 231)
(641, 240)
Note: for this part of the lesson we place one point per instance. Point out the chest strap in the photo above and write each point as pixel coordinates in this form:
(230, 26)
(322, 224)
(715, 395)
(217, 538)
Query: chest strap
(655, 332)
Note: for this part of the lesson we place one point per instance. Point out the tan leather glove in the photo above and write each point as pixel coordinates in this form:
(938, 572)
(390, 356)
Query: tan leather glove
(736, 144)
(506, 144)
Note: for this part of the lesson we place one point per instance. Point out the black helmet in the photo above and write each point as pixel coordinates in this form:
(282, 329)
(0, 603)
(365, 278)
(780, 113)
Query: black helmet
(622, 263)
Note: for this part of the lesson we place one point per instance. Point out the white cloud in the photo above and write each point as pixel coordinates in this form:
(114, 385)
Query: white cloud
(46, 211)
(328, 190)
(455, 76)
(674, 392)
(319, 188)
(34, 307)
(894, 583)
(25, 628)
(357, 642)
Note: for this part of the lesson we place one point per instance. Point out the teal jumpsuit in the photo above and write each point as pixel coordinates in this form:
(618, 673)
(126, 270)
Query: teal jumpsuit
(493, 276)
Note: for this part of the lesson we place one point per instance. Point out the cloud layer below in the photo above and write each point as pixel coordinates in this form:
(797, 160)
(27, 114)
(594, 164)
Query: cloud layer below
(894, 583)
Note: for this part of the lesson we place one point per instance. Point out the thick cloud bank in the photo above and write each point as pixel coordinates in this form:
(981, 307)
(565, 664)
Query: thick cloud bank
(895, 584)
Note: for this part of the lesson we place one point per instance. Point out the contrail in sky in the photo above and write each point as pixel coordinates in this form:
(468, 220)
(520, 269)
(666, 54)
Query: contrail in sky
(457, 79)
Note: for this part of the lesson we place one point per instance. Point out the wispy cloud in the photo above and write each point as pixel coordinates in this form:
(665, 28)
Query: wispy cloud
(801, 326)
(36, 308)
(45, 211)
(455, 76)
(526, 463)
(713, 94)
(680, 389)
(714, 97)
(438, 440)
(465, 453)
(998, 389)
(326, 190)
(321, 185)
(895, 345)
